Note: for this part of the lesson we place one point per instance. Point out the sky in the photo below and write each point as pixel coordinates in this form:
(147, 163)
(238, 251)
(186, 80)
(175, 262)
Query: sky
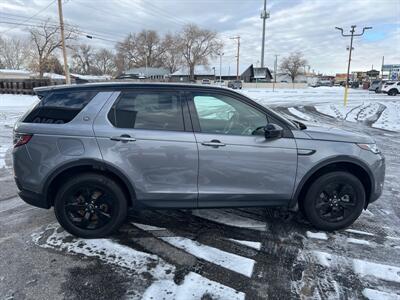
(294, 25)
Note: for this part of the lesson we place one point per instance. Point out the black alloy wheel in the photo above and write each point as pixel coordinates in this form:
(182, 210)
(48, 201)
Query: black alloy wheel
(90, 205)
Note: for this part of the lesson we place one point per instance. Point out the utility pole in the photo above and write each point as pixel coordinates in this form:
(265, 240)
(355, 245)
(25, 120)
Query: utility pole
(220, 68)
(237, 56)
(264, 17)
(275, 70)
(351, 35)
(66, 69)
(383, 62)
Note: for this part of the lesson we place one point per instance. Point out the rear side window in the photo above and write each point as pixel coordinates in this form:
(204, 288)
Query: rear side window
(148, 110)
(59, 107)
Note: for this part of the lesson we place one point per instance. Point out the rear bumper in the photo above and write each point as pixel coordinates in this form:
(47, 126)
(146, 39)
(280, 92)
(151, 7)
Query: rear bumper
(32, 198)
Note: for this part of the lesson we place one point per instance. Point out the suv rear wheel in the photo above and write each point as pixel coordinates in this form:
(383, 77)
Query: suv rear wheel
(392, 92)
(90, 206)
(334, 201)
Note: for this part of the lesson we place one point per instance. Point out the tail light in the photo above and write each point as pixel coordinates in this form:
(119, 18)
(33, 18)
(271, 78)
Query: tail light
(21, 139)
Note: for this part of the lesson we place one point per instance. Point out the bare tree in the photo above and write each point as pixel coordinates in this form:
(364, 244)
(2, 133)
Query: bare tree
(104, 61)
(83, 59)
(45, 40)
(292, 65)
(172, 58)
(198, 46)
(13, 53)
(139, 50)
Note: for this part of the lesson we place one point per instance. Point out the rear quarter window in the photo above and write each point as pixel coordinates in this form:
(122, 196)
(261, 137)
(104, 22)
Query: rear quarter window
(59, 107)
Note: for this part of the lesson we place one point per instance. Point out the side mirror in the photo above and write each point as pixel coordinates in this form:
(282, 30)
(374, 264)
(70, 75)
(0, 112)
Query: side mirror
(272, 131)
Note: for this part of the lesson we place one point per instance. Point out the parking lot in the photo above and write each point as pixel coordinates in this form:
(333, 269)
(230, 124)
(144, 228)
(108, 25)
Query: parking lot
(214, 254)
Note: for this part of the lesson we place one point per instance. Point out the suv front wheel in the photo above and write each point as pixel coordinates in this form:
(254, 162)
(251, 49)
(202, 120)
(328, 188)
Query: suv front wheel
(90, 205)
(334, 201)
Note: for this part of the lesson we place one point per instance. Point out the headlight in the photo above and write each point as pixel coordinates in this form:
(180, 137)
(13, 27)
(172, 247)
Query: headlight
(370, 147)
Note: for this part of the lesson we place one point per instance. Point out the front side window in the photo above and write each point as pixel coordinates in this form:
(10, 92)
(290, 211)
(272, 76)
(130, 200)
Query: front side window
(222, 114)
(147, 110)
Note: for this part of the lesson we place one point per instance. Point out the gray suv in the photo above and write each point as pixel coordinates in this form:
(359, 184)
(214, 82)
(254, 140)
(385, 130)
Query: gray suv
(94, 151)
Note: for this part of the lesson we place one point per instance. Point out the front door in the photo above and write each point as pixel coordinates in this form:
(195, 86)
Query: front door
(143, 133)
(238, 166)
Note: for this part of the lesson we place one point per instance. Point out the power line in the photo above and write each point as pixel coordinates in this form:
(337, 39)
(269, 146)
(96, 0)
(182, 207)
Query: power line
(54, 23)
(76, 31)
(31, 17)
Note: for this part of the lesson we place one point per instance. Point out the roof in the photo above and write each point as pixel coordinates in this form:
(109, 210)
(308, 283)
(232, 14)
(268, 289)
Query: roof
(11, 71)
(121, 84)
(149, 71)
(202, 70)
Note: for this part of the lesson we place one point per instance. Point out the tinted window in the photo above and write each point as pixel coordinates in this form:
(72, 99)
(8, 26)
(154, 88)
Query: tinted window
(147, 110)
(221, 114)
(59, 107)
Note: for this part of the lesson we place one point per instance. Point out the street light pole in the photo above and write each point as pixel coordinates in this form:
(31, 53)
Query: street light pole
(220, 68)
(264, 17)
(351, 35)
(237, 56)
(275, 70)
(64, 50)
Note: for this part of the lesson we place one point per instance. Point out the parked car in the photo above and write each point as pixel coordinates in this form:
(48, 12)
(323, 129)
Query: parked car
(206, 81)
(235, 84)
(94, 151)
(391, 88)
(376, 85)
(322, 83)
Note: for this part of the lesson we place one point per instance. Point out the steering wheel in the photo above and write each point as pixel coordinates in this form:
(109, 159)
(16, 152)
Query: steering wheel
(234, 117)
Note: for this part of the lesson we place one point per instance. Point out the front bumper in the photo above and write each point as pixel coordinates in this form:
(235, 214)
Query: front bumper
(379, 179)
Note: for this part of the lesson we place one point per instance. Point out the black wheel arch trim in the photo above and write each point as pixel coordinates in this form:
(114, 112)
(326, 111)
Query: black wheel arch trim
(96, 165)
(329, 161)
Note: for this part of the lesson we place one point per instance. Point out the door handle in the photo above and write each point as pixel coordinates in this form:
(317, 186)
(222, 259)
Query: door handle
(213, 143)
(123, 138)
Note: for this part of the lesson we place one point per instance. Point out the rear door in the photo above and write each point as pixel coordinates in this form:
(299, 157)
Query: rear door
(237, 165)
(145, 135)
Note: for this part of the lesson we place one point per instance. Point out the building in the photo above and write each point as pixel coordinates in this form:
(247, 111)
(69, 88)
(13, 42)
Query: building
(14, 74)
(228, 72)
(145, 73)
(391, 72)
(262, 75)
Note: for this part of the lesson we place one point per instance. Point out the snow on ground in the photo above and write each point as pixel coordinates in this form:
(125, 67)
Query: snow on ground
(378, 295)
(317, 235)
(358, 241)
(107, 250)
(251, 244)
(379, 110)
(236, 263)
(194, 287)
(11, 108)
(230, 219)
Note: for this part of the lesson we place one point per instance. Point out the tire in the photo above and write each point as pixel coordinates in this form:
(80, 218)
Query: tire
(377, 90)
(392, 92)
(327, 210)
(97, 200)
